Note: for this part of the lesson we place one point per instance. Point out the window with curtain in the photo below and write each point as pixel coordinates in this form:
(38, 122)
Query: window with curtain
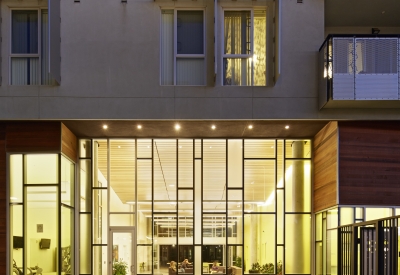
(244, 57)
(30, 48)
(182, 47)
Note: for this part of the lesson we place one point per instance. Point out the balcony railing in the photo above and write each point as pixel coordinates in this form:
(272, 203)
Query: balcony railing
(359, 67)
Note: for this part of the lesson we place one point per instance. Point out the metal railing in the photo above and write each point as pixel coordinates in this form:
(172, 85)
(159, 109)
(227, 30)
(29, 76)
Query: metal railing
(369, 248)
(359, 67)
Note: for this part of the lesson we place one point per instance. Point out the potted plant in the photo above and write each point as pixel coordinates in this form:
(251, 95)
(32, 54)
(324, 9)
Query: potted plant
(268, 268)
(279, 268)
(238, 262)
(255, 268)
(120, 268)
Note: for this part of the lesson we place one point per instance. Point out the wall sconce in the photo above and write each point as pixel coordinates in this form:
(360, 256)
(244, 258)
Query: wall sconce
(375, 31)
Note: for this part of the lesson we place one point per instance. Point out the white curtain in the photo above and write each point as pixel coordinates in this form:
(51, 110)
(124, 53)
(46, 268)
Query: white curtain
(167, 47)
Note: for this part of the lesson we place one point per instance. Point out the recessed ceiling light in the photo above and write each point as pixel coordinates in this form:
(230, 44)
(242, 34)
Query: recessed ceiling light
(130, 202)
(105, 126)
(13, 198)
(287, 127)
(139, 126)
(119, 146)
(177, 126)
(213, 127)
(210, 146)
(180, 147)
(250, 126)
(148, 146)
(172, 185)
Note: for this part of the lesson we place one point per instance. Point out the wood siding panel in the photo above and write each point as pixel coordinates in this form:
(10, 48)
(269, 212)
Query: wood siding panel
(3, 199)
(69, 143)
(369, 163)
(325, 146)
(33, 137)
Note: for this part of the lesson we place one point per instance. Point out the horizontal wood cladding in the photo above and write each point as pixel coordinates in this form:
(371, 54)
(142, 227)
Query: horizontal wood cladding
(33, 137)
(325, 148)
(69, 143)
(369, 163)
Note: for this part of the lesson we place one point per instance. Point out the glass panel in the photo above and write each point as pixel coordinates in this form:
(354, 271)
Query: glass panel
(214, 228)
(24, 31)
(280, 217)
(100, 163)
(85, 148)
(235, 212)
(377, 213)
(298, 244)
(167, 47)
(67, 182)
(122, 248)
(260, 48)
(144, 226)
(260, 243)
(165, 226)
(190, 32)
(235, 163)
(332, 218)
(186, 257)
(144, 148)
(185, 215)
(211, 253)
(331, 248)
(235, 258)
(279, 164)
(298, 186)
(47, 79)
(279, 257)
(41, 169)
(359, 213)
(318, 259)
(16, 236)
(85, 250)
(214, 175)
(185, 163)
(259, 148)
(85, 185)
(197, 201)
(259, 185)
(190, 71)
(198, 148)
(197, 254)
(318, 227)
(122, 219)
(237, 31)
(298, 148)
(100, 260)
(144, 261)
(237, 71)
(346, 215)
(67, 241)
(99, 216)
(122, 175)
(164, 171)
(25, 71)
(16, 178)
(41, 227)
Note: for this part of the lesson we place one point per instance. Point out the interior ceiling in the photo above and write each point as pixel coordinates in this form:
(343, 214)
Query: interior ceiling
(363, 13)
(195, 128)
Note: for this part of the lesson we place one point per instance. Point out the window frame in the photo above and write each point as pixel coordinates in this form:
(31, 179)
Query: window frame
(246, 56)
(21, 55)
(186, 56)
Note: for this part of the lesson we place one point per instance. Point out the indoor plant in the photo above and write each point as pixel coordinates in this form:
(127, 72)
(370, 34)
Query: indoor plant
(120, 268)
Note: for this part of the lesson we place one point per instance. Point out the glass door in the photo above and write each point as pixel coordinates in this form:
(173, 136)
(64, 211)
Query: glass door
(122, 256)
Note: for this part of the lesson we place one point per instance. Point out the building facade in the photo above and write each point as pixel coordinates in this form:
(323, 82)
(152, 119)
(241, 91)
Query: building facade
(136, 134)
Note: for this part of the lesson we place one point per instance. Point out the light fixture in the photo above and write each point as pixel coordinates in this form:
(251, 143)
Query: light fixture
(250, 126)
(105, 126)
(172, 185)
(375, 31)
(130, 202)
(139, 126)
(287, 127)
(177, 126)
(119, 146)
(213, 127)
(13, 198)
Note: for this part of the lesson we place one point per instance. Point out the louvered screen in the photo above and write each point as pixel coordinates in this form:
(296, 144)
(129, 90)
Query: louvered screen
(343, 68)
(376, 62)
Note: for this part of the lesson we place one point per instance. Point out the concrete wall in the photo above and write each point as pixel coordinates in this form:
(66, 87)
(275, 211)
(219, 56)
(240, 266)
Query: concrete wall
(110, 59)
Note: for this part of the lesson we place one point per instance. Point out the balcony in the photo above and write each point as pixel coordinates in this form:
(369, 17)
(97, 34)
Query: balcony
(359, 71)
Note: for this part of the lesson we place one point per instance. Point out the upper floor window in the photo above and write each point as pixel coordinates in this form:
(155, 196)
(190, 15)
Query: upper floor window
(29, 59)
(244, 49)
(182, 47)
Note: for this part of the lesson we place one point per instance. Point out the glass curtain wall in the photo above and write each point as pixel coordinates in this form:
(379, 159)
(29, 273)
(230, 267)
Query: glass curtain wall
(41, 214)
(228, 206)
